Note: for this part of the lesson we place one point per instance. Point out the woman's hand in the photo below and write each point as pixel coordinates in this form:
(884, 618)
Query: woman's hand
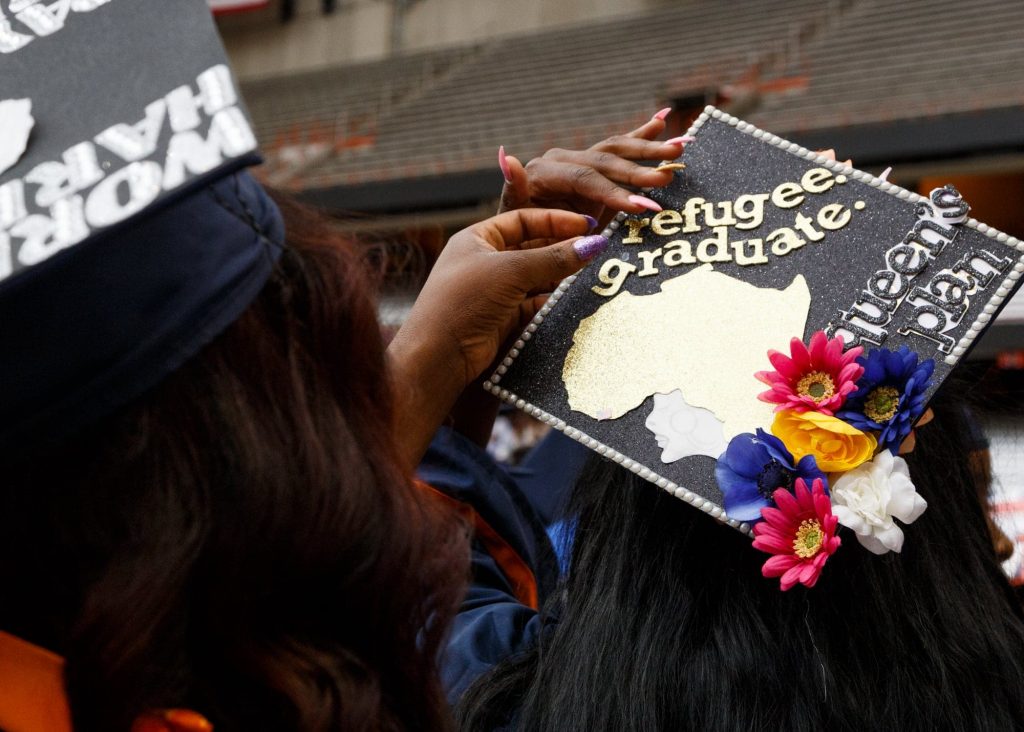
(489, 279)
(595, 182)
(598, 181)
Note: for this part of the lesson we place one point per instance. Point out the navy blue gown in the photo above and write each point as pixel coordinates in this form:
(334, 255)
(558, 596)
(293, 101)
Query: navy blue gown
(497, 619)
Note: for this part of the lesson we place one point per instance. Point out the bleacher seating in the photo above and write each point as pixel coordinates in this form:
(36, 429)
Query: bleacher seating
(800, 65)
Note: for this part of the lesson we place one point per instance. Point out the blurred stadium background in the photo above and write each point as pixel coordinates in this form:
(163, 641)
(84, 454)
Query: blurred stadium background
(389, 113)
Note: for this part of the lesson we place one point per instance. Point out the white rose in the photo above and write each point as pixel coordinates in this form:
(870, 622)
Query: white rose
(868, 498)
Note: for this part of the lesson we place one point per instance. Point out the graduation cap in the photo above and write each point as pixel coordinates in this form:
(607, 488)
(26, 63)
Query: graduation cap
(130, 235)
(656, 355)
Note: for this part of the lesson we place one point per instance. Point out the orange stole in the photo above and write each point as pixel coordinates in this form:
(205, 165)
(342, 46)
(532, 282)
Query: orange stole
(32, 695)
(518, 572)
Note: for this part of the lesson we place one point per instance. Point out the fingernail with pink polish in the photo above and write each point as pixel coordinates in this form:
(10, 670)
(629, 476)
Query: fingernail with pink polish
(663, 113)
(645, 202)
(591, 221)
(503, 164)
(680, 140)
(590, 246)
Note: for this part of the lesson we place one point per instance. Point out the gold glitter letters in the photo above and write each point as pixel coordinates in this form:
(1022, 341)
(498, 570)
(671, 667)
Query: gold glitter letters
(746, 213)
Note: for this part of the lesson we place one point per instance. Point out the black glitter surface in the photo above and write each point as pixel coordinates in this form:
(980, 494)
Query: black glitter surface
(721, 165)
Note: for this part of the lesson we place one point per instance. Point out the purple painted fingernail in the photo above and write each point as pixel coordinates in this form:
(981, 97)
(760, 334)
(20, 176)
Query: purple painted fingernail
(663, 113)
(590, 246)
(503, 164)
(591, 220)
(645, 202)
(680, 140)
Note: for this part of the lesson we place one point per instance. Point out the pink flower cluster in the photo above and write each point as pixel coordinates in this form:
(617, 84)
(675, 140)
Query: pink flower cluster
(800, 530)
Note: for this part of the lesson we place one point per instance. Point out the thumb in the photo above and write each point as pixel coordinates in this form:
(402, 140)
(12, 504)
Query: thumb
(540, 266)
(516, 193)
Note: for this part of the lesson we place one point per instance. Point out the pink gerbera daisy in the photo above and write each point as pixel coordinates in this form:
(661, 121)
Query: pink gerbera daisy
(800, 532)
(813, 378)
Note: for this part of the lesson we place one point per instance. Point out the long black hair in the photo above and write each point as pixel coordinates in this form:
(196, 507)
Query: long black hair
(667, 624)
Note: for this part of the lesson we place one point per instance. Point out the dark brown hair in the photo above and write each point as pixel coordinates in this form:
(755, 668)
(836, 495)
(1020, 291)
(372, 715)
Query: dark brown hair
(241, 541)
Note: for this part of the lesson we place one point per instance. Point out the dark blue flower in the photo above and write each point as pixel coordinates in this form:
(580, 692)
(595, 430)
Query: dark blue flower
(890, 395)
(753, 467)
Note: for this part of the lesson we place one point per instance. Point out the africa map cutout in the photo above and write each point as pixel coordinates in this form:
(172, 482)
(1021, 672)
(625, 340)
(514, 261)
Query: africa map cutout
(672, 352)
(648, 355)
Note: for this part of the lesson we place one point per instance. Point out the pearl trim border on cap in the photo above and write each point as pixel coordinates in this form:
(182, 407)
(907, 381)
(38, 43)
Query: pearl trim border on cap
(710, 112)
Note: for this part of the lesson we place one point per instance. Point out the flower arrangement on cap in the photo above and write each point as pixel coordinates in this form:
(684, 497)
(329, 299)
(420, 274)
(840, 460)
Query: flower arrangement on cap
(832, 457)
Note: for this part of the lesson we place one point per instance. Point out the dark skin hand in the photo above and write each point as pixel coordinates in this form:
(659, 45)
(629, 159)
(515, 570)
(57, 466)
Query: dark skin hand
(489, 279)
(598, 182)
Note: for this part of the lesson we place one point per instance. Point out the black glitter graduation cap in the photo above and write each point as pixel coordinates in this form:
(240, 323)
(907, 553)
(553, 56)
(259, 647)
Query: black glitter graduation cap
(649, 355)
(129, 233)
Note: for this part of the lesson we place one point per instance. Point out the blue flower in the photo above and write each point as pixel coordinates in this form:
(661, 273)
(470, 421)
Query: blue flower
(890, 395)
(753, 467)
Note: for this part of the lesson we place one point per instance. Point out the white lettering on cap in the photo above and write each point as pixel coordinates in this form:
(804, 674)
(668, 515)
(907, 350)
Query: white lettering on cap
(141, 183)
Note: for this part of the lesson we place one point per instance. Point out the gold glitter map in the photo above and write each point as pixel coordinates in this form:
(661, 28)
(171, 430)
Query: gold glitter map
(704, 334)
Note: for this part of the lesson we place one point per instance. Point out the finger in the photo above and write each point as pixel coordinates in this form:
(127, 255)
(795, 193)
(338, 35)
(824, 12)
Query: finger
(516, 193)
(830, 154)
(615, 168)
(529, 309)
(538, 243)
(545, 289)
(631, 148)
(510, 230)
(517, 323)
(564, 180)
(542, 266)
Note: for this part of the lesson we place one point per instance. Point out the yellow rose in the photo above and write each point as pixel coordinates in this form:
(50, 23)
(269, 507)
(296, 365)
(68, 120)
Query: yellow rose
(835, 445)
